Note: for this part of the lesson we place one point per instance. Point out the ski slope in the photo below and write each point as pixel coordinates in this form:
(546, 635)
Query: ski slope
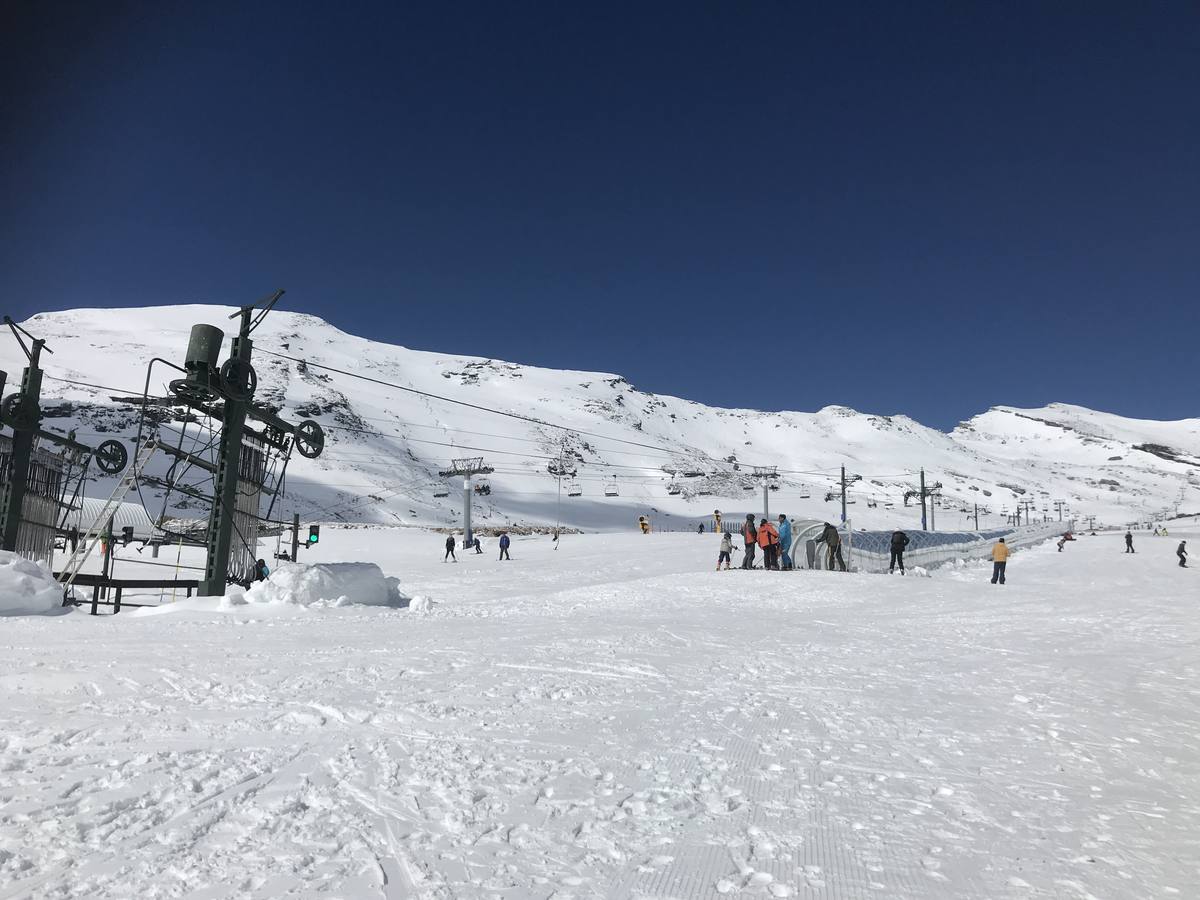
(615, 719)
(386, 446)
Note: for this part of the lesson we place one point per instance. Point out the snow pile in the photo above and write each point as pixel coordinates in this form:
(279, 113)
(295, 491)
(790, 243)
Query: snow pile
(325, 584)
(26, 588)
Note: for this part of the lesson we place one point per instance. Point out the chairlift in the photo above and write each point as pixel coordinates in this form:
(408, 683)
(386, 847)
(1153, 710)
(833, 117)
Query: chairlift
(673, 488)
(889, 505)
(483, 488)
(772, 487)
(440, 494)
(573, 489)
(610, 488)
(871, 503)
(805, 493)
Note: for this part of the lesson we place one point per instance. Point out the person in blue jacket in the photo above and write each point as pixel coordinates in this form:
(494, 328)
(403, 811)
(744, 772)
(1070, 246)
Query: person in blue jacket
(261, 571)
(785, 540)
(504, 542)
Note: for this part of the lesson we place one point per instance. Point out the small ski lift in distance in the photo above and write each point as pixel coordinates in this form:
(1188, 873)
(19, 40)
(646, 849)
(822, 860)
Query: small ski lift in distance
(805, 493)
(573, 489)
(871, 504)
(610, 488)
(482, 487)
(673, 487)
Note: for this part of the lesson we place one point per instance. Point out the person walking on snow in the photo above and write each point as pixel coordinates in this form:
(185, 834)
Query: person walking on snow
(768, 539)
(750, 538)
(478, 548)
(785, 541)
(833, 547)
(999, 560)
(899, 542)
(504, 542)
(1182, 553)
(726, 551)
(1129, 541)
(450, 549)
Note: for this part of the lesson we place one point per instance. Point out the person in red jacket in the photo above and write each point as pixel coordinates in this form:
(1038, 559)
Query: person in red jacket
(768, 539)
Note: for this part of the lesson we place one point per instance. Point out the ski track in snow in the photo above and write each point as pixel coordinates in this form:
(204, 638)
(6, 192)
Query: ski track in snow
(614, 720)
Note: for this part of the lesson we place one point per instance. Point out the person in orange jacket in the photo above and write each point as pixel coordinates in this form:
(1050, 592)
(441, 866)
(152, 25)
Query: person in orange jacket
(750, 538)
(768, 539)
(999, 560)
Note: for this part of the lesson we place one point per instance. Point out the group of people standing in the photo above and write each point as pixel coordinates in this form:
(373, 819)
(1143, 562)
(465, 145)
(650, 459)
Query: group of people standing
(451, 543)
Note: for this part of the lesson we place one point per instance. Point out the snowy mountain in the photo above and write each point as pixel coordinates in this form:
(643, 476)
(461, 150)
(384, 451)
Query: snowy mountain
(385, 446)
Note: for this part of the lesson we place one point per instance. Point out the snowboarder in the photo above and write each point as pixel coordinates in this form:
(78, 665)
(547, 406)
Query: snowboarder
(768, 539)
(1182, 553)
(750, 538)
(726, 551)
(478, 548)
(504, 542)
(450, 549)
(260, 570)
(785, 541)
(999, 561)
(1129, 541)
(899, 542)
(1067, 536)
(833, 547)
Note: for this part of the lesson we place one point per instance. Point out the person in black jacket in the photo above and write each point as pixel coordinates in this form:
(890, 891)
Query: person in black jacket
(833, 546)
(1129, 541)
(450, 549)
(899, 542)
(1182, 553)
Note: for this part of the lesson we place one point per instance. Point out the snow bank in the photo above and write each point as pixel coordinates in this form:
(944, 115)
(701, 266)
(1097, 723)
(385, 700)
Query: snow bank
(325, 584)
(27, 588)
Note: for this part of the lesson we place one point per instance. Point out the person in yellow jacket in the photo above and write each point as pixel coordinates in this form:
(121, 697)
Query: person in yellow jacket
(999, 560)
(643, 524)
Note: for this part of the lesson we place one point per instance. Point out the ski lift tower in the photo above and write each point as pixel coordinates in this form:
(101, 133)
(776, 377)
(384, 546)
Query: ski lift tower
(468, 467)
(33, 479)
(765, 474)
(224, 394)
(924, 494)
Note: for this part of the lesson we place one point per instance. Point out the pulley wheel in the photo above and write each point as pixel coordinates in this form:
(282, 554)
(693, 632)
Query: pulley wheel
(111, 457)
(239, 379)
(310, 439)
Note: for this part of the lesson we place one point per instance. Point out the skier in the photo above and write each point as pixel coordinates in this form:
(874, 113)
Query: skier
(716, 520)
(478, 548)
(450, 549)
(1067, 536)
(504, 542)
(899, 542)
(644, 524)
(726, 551)
(700, 529)
(1129, 541)
(768, 539)
(260, 570)
(1182, 553)
(833, 547)
(750, 538)
(785, 541)
(999, 560)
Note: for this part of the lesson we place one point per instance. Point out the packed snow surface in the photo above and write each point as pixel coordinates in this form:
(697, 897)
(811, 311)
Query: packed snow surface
(27, 588)
(335, 584)
(615, 719)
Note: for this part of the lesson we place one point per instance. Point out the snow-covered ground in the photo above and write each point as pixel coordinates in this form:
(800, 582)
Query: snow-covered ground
(615, 719)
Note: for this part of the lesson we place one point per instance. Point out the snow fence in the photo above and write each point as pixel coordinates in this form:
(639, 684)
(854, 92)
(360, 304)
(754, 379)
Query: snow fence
(870, 551)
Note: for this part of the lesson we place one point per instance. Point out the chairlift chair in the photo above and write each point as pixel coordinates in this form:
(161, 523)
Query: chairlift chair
(673, 488)
(610, 488)
(805, 493)
(573, 489)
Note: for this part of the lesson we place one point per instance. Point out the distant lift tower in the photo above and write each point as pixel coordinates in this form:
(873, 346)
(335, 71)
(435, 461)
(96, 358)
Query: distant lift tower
(767, 475)
(467, 468)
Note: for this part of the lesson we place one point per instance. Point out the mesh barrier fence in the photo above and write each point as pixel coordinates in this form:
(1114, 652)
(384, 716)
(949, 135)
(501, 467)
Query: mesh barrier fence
(870, 551)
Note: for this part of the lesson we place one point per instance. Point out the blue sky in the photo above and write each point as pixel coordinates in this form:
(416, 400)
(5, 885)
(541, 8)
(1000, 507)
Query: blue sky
(920, 208)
